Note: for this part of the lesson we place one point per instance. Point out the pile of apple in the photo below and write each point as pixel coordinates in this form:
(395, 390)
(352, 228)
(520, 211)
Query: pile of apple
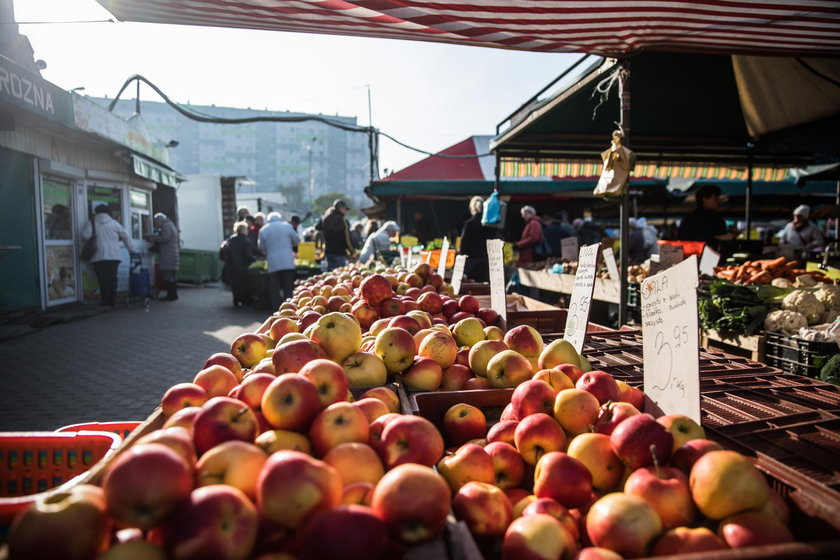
(572, 470)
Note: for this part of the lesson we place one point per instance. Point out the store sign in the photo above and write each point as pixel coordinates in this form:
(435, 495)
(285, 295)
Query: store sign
(458, 273)
(31, 92)
(580, 303)
(670, 341)
(495, 248)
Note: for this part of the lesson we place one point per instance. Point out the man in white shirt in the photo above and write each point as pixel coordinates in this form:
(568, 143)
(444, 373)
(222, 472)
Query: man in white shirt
(279, 241)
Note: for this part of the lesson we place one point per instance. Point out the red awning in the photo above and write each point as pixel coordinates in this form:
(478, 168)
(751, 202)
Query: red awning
(441, 167)
(603, 27)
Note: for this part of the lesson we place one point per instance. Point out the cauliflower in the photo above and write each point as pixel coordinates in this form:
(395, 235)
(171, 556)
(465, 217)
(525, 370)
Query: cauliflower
(829, 295)
(781, 283)
(787, 321)
(806, 303)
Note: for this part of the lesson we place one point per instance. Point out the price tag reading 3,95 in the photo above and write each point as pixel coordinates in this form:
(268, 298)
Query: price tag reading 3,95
(670, 340)
(579, 304)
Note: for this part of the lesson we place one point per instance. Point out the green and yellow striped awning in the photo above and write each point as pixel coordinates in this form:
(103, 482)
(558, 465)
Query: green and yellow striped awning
(569, 169)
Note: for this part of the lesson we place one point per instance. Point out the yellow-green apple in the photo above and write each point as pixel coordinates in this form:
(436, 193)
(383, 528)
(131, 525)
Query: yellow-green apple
(488, 315)
(409, 439)
(378, 326)
(282, 326)
(484, 508)
(724, 483)
(290, 357)
(599, 383)
(469, 303)
(503, 430)
(355, 462)
(290, 402)
(469, 462)
(236, 463)
(687, 454)
(376, 429)
(145, 483)
(440, 347)
(684, 540)
(350, 532)
(475, 383)
(413, 501)
(216, 380)
(358, 493)
(508, 369)
(753, 528)
(293, 488)
(269, 342)
(340, 422)
(507, 463)
(563, 478)
(365, 369)
(395, 347)
(556, 379)
(776, 507)
(365, 313)
(481, 352)
(223, 419)
(372, 408)
(454, 377)
(623, 523)
(227, 360)
(537, 435)
(468, 331)
(249, 349)
(576, 410)
(290, 337)
(430, 302)
(531, 397)
(493, 332)
(611, 414)
(423, 319)
(682, 428)
(182, 395)
(71, 523)
(462, 423)
(594, 451)
(521, 502)
(375, 289)
(413, 280)
(338, 335)
(386, 395)
(666, 489)
(632, 395)
(184, 418)
(277, 440)
(526, 340)
(558, 511)
(640, 440)
(328, 377)
(265, 366)
(424, 374)
(556, 352)
(405, 322)
(178, 438)
(252, 389)
(537, 537)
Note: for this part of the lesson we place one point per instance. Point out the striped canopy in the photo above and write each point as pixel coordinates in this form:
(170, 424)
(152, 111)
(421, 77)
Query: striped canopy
(603, 27)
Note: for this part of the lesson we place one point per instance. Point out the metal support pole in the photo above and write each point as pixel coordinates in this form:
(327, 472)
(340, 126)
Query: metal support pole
(624, 213)
(748, 197)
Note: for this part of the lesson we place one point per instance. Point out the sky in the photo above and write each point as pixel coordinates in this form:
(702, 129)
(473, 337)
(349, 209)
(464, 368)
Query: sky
(426, 95)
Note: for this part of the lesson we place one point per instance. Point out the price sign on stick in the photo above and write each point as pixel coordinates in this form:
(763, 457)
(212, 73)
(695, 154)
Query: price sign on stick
(708, 261)
(612, 267)
(444, 253)
(458, 273)
(495, 248)
(670, 342)
(428, 257)
(569, 248)
(579, 304)
(402, 256)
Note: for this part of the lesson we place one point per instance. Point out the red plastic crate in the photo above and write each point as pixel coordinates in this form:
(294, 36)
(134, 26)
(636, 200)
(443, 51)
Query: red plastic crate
(122, 429)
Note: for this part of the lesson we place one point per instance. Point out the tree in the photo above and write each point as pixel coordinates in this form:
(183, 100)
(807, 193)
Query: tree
(321, 203)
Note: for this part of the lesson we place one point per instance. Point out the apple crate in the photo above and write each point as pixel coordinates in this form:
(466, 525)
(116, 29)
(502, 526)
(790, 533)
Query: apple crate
(396, 387)
(33, 463)
(122, 429)
(474, 289)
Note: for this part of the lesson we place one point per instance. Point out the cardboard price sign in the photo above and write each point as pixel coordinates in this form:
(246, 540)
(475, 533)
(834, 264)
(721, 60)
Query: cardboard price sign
(444, 254)
(579, 304)
(569, 248)
(670, 341)
(458, 273)
(708, 261)
(495, 250)
(612, 267)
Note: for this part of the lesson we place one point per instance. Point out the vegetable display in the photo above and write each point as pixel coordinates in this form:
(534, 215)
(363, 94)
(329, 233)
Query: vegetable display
(765, 271)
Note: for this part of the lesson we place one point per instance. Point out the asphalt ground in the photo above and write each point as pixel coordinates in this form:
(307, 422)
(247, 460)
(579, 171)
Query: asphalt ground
(116, 365)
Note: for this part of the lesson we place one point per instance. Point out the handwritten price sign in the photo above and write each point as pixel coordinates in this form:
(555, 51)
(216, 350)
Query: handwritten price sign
(670, 340)
(458, 273)
(578, 316)
(495, 248)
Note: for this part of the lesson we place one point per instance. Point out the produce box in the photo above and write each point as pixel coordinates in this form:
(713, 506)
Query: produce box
(475, 288)
(797, 355)
(122, 429)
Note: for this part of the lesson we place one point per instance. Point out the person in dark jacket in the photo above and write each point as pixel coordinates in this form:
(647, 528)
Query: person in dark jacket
(474, 238)
(337, 245)
(237, 254)
(556, 231)
(169, 247)
(705, 223)
(422, 229)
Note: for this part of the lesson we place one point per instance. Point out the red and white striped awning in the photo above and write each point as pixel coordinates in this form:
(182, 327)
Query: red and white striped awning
(603, 27)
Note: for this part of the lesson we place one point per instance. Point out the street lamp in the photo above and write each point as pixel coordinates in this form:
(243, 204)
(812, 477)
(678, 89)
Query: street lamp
(311, 175)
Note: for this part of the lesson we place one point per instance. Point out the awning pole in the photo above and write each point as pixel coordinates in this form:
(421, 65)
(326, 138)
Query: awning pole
(748, 197)
(624, 214)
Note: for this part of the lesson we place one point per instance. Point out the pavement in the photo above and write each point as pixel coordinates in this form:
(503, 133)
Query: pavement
(90, 364)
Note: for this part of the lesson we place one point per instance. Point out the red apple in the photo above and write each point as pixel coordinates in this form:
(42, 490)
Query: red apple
(537, 435)
(611, 414)
(507, 463)
(290, 402)
(595, 452)
(469, 463)
(181, 396)
(355, 462)
(282, 326)
(405, 322)
(508, 369)
(687, 454)
(290, 357)
(340, 422)
(475, 383)
(489, 316)
(329, 378)
(469, 303)
(249, 349)
(372, 408)
(562, 478)
(462, 423)
(683, 540)
(454, 377)
(410, 439)
(484, 508)
(666, 489)
(682, 428)
(216, 380)
(365, 313)
(753, 528)
(252, 389)
(537, 537)
(178, 438)
(386, 395)
(424, 374)
(555, 509)
(234, 463)
(526, 340)
(226, 360)
(532, 397)
(504, 430)
(599, 383)
(636, 439)
(223, 419)
(184, 418)
(622, 523)
(354, 533)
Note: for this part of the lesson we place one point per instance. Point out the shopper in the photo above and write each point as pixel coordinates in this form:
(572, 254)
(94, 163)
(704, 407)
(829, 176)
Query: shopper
(295, 221)
(356, 236)
(106, 260)
(169, 253)
(337, 245)
(532, 234)
(802, 234)
(241, 213)
(379, 241)
(279, 240)
(474, 238)
(558, 230)
(237, 254)
(588, 231)
(705, 223)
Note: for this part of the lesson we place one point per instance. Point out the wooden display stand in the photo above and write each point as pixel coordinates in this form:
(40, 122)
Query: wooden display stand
(750, 346)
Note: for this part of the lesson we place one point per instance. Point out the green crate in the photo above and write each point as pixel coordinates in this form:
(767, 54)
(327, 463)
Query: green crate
(196, 266)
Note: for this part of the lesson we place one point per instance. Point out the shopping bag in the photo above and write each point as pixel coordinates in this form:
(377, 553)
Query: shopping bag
(88, 249)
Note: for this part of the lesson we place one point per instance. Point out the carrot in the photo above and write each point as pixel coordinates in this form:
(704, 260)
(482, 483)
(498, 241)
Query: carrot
(762, 277)
(777, 263)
